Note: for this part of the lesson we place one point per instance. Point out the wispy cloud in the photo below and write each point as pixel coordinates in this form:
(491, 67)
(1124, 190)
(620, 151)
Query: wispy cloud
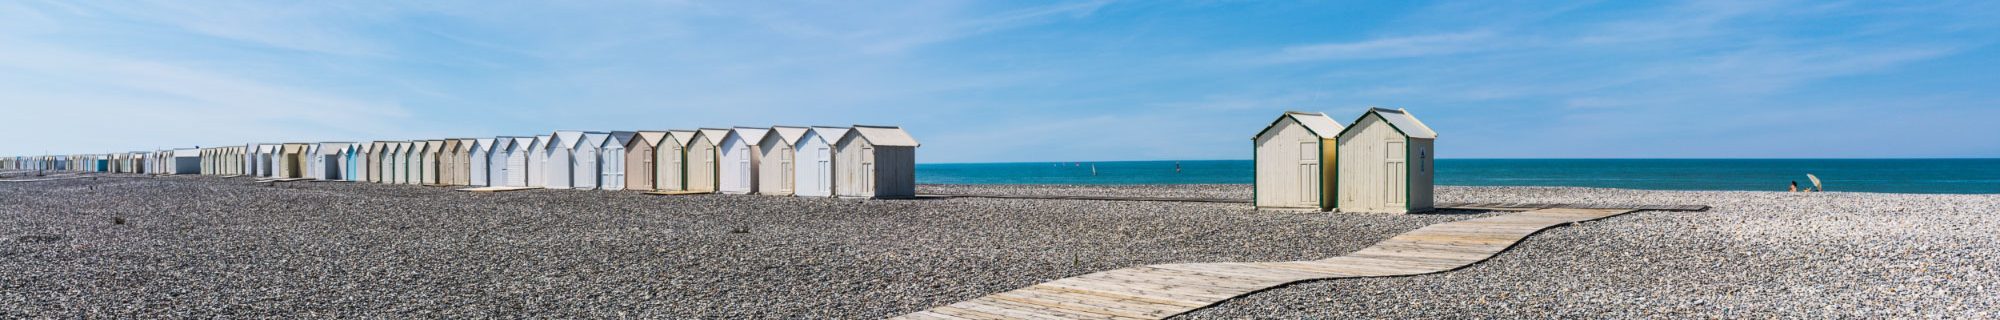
(1388, 48)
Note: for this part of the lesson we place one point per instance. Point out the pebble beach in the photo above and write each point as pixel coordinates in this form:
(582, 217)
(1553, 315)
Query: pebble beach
(127, 246)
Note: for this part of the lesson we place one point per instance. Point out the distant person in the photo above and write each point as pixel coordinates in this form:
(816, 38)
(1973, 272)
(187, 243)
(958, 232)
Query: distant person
(1795, 186)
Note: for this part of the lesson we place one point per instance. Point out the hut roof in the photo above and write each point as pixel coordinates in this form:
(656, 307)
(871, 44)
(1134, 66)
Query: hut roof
(750, 135)
(1317, 123)
(593, 140)
(831, 134)
(1403, 122)
(622, 138)
(790, 135)
(652, 138)
(886, 136)
(714, 136)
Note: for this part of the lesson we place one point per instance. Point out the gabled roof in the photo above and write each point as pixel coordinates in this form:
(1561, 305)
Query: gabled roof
(540, 142)
(652, 138)
(1402, 121)
(593, 140)
(789, 135)
(521, 142)
(831, 134)
(749, 134)
(566, 138)
(714, 136)
(483, 144)
(466, 144)
(621, 138)
(1315, 122)
(886, 136)
(682, 137)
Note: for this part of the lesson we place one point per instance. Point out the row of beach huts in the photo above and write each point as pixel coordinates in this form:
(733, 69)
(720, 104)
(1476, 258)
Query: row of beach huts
(851, 162)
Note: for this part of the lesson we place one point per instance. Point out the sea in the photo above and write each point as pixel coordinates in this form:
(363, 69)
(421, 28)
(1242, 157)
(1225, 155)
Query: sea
(1962, 176)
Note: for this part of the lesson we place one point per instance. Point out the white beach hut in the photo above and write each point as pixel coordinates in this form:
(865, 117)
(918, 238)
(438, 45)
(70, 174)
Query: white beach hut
(448, 164)
(428, 153)
(497, 171)
(611, 159)
(406, 163)
(736, 171)
(461, 161)
(813, 173)
(520, 162)
(586, 162)
(1294, 167)
(702, 160)
(776, 160)
(1386, 163)
(875, 162)
(538, 162)
(561, 157)
(479, 163)
(641, 171)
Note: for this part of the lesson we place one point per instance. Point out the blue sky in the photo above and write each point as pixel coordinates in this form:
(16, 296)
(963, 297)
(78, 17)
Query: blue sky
(1017, 80)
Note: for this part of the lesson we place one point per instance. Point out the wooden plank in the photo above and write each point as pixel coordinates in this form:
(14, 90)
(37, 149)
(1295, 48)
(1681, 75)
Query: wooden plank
(1159, 291)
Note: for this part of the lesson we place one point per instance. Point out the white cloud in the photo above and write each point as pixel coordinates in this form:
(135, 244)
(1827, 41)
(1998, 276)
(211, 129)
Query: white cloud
(1387, 48)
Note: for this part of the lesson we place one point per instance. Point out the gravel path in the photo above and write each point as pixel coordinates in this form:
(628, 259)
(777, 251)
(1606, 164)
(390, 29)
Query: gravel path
(210, 247)
(1755, 255)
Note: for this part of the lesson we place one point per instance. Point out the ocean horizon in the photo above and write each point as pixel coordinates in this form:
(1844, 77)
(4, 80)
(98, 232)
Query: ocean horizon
(1947, 175)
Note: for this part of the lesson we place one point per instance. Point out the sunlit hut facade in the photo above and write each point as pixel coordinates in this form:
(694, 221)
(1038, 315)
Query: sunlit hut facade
(875, 162)
(478, 155)
(640, 169)
(430, 155)
(497, 160)
(814, 168)
(377, 154)
(737, 170)
(586, 164)
(1295, 162)
(400, 170)
(775, 169)
(702, 158)
(448, 163)
(538, 162)
(518, 168)
(1386, 163)
(613, 155)
(561, 157)
(670, 163)
(461, 161)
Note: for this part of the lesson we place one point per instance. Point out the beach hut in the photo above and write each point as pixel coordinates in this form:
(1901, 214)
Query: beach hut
(561, 156)
(586, 159)
(292, 160)
(1294, 166)
(1386, 163)
(813, 167)
(478, 160)
(703, 160)
(538, 162)
(355, 163)
(447, 162)
(670, 160)
(875, 162)
(736, 169)
(461, 158)
(640, 170)
(376, 152)
(331, 156)
(186, 161)
(520, 170)
(612, 153)
(497, 160)
(776, 163)
(430, 154)
(251, 160)
(407, 163)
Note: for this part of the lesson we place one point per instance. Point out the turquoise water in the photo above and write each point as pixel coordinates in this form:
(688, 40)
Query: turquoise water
(1862, 175)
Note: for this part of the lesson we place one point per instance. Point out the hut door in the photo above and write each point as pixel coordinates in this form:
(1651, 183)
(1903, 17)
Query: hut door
(743, 167)
(825, 159)
(1394, 170)
(868, 169)
(1308, 173)
(787, 167)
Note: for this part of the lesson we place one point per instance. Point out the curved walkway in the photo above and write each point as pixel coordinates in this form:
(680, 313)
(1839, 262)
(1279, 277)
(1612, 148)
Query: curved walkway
(1160, 291)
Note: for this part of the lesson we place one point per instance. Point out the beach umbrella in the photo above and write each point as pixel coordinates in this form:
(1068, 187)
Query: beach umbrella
(1815, 181)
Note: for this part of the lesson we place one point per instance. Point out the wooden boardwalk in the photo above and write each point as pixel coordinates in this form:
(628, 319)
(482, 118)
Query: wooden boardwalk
(1160, 291)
